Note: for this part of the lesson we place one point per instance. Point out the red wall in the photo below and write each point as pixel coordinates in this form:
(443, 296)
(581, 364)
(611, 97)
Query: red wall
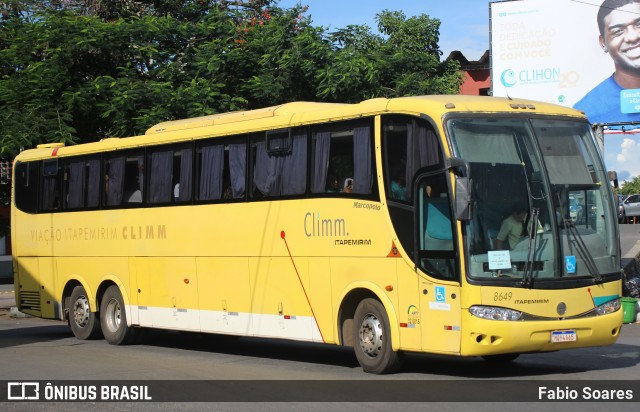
(475, 81)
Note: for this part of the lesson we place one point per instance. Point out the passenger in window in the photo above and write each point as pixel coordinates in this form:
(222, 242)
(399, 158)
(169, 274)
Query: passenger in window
(428, 190)
(435, 190)
(398, 184)
(512, 228)
(348, 185)
(334, 185)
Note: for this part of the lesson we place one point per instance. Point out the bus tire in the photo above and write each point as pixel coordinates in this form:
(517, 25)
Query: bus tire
(84, 323)
(372, 339)
(113, 318)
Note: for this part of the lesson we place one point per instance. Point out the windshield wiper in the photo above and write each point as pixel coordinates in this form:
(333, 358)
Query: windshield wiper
(570, 227)
(527, 276)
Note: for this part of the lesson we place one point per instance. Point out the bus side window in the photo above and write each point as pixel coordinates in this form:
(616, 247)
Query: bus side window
(437, 256)
(410, 144)
(280, 172)
(50, 192)
(26, 186)
(92, 176)
(114, 180)
(161, 186)
(342, 151)
(211, 168)
(82, 183)
(134, 179)
(183, 168)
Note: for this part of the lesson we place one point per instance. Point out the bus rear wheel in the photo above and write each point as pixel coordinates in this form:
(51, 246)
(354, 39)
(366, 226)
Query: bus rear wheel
(84, 323)
(372, 339)
(113, 318)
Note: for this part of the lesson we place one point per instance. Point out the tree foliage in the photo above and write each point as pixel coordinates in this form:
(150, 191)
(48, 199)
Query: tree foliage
(80, 70)
(630, 187)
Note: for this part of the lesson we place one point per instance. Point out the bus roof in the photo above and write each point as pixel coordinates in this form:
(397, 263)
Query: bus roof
(308, 111)
(301, 113)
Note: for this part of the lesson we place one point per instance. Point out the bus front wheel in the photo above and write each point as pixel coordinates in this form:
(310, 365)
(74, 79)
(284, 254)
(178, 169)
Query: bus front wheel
(372, 339)
(84, 323)
(113, 318)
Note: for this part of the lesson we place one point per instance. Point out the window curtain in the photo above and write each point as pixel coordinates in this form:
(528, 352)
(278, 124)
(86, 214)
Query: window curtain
(186, 176)
(75, 193)
(160, 178)
(267, 170)
(141, 174)
(362, 175)
(422, 151)
(320, 162)
(428, 147)
(238, 166)
(93, 183)
(294, 169)
(48, 192)
(211, 172)
(115, 182)
(413, 164)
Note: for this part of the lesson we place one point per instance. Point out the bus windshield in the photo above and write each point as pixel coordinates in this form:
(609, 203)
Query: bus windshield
(542, 207)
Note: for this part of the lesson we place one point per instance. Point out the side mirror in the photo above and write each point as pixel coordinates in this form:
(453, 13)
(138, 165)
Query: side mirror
(463, 203)
(459, 166)
(613, 177)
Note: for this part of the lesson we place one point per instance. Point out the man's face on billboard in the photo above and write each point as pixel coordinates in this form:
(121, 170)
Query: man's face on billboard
(622, 37)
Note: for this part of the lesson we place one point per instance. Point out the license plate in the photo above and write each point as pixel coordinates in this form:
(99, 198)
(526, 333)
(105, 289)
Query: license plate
(558, 336)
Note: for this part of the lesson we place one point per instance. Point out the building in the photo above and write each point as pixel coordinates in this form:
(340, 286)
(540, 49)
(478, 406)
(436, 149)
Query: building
(477, 74)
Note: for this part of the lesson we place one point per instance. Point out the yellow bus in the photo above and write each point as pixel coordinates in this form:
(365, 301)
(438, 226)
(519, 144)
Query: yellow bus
(468, 226)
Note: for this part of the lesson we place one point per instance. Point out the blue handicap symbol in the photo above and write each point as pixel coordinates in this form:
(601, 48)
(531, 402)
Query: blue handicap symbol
(570, 264)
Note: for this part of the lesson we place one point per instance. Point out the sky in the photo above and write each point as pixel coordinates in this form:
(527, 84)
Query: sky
(464, 24)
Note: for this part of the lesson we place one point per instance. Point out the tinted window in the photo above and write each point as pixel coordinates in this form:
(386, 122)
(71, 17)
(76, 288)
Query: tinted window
(26, 186)
(279, 164)
(409, 145)
(342, 156)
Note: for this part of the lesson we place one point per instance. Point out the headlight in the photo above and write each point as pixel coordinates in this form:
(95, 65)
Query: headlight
(609, 307)
(494, 313)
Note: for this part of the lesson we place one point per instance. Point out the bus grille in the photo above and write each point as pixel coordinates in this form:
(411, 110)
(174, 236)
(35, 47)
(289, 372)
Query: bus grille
(30, 300)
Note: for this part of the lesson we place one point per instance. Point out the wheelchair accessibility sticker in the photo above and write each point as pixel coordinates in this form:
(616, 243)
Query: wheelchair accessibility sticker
(570, 264)
(441, 299)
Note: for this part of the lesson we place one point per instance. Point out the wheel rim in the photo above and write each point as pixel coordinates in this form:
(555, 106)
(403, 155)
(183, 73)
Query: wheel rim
(81, 311)
(113, 315)
(370, 334)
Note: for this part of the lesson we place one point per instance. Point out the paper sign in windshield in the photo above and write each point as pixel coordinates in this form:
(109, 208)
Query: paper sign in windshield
(499, 259)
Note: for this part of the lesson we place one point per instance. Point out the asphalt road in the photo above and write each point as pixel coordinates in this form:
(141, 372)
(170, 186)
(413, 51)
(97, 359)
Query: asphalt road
(33, 349)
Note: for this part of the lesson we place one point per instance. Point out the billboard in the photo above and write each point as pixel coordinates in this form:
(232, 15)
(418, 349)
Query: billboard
(554, 51)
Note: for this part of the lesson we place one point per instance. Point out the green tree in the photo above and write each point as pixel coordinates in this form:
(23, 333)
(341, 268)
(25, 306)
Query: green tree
(80, 70)
(404, 61)
(630, 187)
